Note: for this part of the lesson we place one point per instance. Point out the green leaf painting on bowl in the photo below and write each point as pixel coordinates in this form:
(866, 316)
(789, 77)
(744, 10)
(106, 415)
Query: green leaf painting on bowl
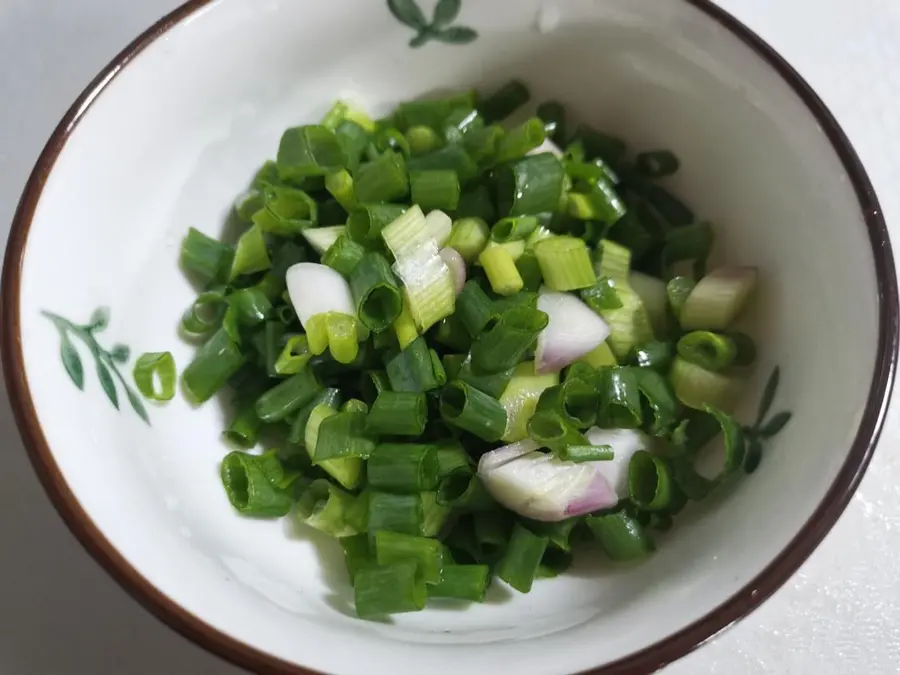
(440, 28)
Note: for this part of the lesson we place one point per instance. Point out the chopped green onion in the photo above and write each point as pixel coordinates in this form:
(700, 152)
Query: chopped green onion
(600, 357)
(708, 350)
(596, 144)
(294, 356)
(469, 236)
(256, 485)
(514, 228)
(656, 164)
(476, 202)
(204, 315)
(377, 294)
(244, 428)
(357, 554)
(520, 141)
(503, 345)
(427, 554)
(327, 508)
(154, 375)
(718, 299)
(745, 349)
(451, 158)
(205, 258)
(327, 398)
(462, 582)
(250, 255)
(422, 140)
(620, 400)
(630, 324)
(434, 189)
(586, 453)
(678, 290)
(492, 384)
(250, 306)
(343, 436)
(501, 270)
(504, 102)
(402, 513)
(398, 413)
(519, 565)
(340, 185)
(344, 255)
(288, 396)
(530, 185)
(213, 365)
(412, 369)
(553, 114)
(309, 151)
(389, 589)
(473, 410)
(655, 355)
(649, 483)
(286, 212)
(696, 387)
(405, 326)
(322, 238)
(364, 225)
(565, 263)
(551, 430)
(520, 398)
(403, 467)
(438, 226)
(575, 399)
(429, 283)
(602, 295)
(383, 180)
(621, 536)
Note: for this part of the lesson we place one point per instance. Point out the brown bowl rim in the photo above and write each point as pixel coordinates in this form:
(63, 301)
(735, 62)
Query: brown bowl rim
(646, 660)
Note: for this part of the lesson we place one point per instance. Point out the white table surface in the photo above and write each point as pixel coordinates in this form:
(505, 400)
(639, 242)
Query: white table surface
(62, 615)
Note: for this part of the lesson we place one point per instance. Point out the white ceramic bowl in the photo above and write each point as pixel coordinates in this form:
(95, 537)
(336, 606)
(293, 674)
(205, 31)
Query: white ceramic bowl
(172, 130)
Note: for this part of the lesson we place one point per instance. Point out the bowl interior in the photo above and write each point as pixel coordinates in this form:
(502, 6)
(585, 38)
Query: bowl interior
(179, 133)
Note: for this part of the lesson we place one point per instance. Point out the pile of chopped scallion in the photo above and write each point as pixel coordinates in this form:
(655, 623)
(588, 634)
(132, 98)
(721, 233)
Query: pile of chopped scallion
(468, 349)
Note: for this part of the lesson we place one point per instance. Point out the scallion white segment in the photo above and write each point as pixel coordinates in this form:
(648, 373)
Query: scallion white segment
(573, 330)
(318, 289)
(624, 443)
(323, 238)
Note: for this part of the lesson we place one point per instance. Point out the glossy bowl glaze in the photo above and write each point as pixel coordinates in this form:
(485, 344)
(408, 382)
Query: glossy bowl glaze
(174, 128)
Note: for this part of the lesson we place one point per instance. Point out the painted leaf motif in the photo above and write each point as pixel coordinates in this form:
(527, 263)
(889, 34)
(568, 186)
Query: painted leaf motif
(421, 38)
(768, 395)
(99, 319)
(120, 353)
(137, 404)
(774, 425)
(106, 381)
(71, 361)
(753, 456)
(445, 13)
(458, 35)
(408, 13)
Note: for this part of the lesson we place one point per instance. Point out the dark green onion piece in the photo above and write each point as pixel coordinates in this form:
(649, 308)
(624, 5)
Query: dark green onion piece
(286, 211)
(256, 485)
(310, 151)
(250, 305)
(678, 289)
(649, 483)
(473, 410)
(657, 164)
(288, 396)
(293, 357)
(513, 229)
(344, 255)
(596, 144)
(530, 185)
(329, 509)
(213, 365)
(364, 225)
(504, 102)
(372, 383)
(621, 536)
(530, 270)
(389, 589)
(672, 209)
(482, 144)
(204, 315)
(519, 565)
(431, 112)
(427, 554)
(691, 242)
(655, 355)
(450, 158)
(553, 115)
(251, 255)
(398, 413)
(412, 369)
(476, 203)
(244, 428)
(597, 200)
(492, 384)
(453, 457)
(657, 391)
(504, 345)
(602, 295)
(745, 349)
(561, 534)
(520, 141)
(474, 308)
(575, 400)
(152, 368)
(343, 435)
(382, 180)
(452, 333)
(330, 397)
(550, 430)
(207, 259)
(620, 399)
(434, 189)
(492, 529)
(354, 405)
(462, 582)
(708, 350)
(586, 453)
(695, 486)
(392, 139)
(464, 491)
(353, 139)
(395, 513)
(404, 467)
(357, 553)
(376, 291)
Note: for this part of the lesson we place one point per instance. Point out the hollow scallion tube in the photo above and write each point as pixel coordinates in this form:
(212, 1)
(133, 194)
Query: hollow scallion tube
(207, 259)
(657, 163)
(575, 399)
(340, 185)
(154, 375)
(501, 270)
(395, 513)
(344, 255)
(422, 139)
(377, 294)
(519, 565)
(204, 315)
(598, 201)
(468, 237)
(213, 365)
(255, 484)
(330, 398)
(380, 590)
(311, 150)
(451, 157)
(398, 413)
(697, 387)
(553, 115)
(244, 428)
(520, 141)
(513, 228)
(329, 509)
(520, 398)
(587, 453)
(530, 185)
(288, 396)
(365, 223)
(434, 189)
(462, 582)
(250, 255)
(294, 356)
(650, 485)
(565, 263)
(287, 211)
(403, 467)
(550, 430)
(412, 369)
(382, 180)
(492, 384)
(473, 410)
(426, 553)
(341, 436)
(621, 536)
(504, 344)
(474, 309)
(708, 350)
(620, 400)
